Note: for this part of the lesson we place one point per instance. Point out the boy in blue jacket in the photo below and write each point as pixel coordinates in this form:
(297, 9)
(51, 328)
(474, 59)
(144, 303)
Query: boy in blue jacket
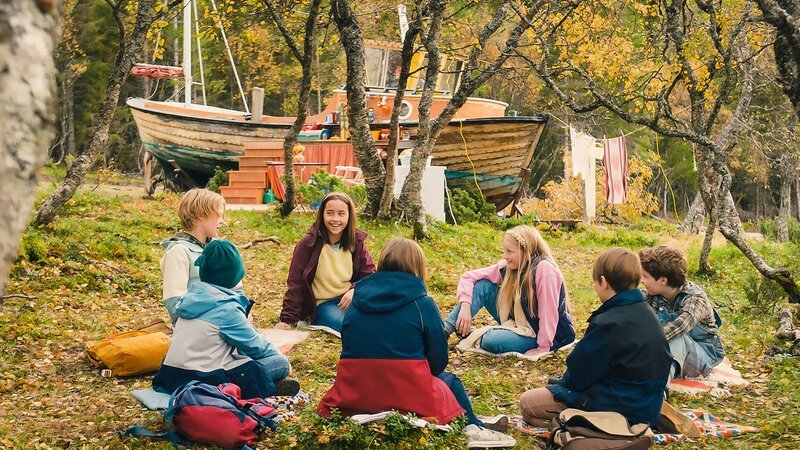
(623, 360)
(214, 342)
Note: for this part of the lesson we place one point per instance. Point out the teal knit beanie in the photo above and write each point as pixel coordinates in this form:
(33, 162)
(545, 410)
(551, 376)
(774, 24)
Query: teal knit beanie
(221, 264)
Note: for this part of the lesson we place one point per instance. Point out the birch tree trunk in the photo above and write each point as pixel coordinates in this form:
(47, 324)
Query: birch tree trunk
(472, 78)
(797, 196)
(28, 33)
(407, 53)
(65, 135)
(129, 47)
(305, 59)
(784, 15)
(368, 159)
(786, 199)
(69, 121)
(696, 215)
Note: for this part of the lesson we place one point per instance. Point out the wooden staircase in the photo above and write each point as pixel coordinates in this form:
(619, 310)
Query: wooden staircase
(248, 184)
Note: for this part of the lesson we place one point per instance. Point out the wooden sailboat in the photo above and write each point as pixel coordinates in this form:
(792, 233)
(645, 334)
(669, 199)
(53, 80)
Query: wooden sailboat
(480, 147)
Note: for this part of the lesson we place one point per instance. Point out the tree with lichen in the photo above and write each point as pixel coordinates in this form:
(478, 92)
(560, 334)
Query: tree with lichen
(133, 21)
(28, 36)
(305, 58)
(679, 67)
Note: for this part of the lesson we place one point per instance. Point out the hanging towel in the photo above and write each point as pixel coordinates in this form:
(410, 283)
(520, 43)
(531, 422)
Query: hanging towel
(582, 151)
(615, 160)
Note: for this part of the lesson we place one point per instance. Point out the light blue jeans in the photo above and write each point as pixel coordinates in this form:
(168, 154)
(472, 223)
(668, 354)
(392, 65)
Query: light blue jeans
(695, 353)
(329, 315)
(277, 367)
(484, 295)
(691, 357)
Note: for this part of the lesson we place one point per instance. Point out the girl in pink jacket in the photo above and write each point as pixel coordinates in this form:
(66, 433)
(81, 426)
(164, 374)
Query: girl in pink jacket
(524, 293)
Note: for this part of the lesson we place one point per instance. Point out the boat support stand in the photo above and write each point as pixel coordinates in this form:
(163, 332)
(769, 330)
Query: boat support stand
(525, 176)
(180, 174)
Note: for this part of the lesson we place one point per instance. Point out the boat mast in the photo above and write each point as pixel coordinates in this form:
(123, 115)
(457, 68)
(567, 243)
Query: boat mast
(401, 16)
(187, 52)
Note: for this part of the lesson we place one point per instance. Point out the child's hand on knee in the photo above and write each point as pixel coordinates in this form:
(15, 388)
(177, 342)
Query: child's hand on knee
(346, 299)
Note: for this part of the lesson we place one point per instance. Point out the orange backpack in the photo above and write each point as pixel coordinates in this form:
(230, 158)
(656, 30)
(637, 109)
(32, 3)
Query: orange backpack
(132, 353)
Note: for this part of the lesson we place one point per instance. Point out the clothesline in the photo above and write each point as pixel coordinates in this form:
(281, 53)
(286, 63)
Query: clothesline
(623, 134)
(570, 126)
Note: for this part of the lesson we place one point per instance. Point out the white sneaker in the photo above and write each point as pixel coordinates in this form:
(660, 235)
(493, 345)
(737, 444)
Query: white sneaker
(485, 438)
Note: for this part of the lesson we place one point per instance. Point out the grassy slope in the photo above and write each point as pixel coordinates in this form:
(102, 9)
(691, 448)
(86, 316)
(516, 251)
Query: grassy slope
(96, 270)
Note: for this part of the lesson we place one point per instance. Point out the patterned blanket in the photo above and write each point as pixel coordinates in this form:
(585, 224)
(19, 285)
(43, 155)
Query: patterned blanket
(721, 376)
(708, 424)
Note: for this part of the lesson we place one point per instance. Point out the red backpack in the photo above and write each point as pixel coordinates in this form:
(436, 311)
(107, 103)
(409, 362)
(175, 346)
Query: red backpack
(205, 414)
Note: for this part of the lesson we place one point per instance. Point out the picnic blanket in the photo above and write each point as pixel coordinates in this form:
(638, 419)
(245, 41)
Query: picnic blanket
(365, 419)
(305, 326)
(722, 375)
(284, 405)
(285, 340)
(708, 424)
(474, 347)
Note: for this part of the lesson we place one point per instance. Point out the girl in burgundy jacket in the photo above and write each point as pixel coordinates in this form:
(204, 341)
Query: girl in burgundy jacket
(325, 265)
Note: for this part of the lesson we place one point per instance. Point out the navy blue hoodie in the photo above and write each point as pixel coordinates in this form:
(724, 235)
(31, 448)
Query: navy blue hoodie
(393, 346)
(621, 364)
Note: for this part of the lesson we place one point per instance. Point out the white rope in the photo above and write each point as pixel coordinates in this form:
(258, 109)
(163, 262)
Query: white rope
(450, 205)
(230, 56)
(158, 80)
(199, 52)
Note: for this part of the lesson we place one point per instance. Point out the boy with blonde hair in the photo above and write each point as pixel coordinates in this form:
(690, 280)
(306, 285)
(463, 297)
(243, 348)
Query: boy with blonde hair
(684, 310)
(201, 213)
(623, 360)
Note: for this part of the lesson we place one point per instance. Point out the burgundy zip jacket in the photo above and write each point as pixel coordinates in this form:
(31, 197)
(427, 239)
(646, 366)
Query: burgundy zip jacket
(299, 302)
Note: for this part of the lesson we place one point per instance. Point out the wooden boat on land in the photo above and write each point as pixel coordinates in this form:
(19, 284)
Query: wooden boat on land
(492, 151)
(480, 147)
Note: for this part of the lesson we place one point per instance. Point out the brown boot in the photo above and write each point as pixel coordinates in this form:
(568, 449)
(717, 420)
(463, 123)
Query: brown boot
(673, 420)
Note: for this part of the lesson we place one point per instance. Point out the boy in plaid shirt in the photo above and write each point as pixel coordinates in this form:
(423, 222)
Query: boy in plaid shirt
(688, 317)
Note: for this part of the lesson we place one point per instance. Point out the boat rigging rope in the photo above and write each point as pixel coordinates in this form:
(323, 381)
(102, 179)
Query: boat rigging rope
(466, 152)
(200, 49)
(155, 89)
(230, 56)
(674, 203)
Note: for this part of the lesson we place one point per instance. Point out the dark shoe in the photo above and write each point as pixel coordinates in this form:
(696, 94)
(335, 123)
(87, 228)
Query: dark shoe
(554, 380)
(287, 387)
(496, 423)
(674, 421)
(464, 336)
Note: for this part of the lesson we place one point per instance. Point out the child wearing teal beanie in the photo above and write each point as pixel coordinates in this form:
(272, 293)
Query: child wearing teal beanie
(221, 264)
(214, 342)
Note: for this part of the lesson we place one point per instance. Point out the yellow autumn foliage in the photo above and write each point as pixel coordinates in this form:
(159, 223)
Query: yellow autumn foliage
(564, 199)
(622, 46)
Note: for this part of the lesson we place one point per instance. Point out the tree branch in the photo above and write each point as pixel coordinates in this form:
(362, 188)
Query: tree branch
(287, 35)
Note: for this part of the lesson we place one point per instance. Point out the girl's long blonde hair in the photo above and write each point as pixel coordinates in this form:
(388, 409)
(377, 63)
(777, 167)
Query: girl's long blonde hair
(532, 248)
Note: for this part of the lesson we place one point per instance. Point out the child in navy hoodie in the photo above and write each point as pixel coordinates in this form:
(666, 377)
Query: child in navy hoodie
(394, 350)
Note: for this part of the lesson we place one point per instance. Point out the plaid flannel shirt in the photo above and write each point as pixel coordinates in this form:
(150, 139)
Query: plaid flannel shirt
(693, 306)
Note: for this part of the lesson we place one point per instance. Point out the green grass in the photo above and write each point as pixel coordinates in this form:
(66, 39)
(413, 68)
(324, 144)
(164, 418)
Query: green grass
(96, 270)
